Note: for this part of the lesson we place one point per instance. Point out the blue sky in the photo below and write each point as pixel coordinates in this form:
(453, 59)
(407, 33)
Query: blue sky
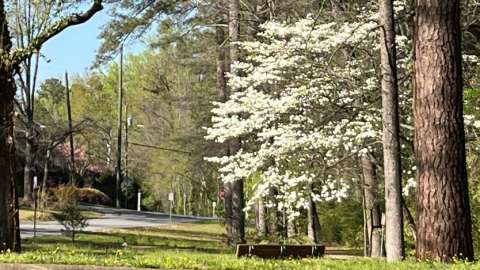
(74, 49)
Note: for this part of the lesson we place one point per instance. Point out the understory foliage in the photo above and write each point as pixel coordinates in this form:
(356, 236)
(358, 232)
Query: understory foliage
(167, 93)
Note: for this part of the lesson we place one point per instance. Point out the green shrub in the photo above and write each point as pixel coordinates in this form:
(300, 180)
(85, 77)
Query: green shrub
(64, 194)
(71, 218)
(91, 195)
(69, 214)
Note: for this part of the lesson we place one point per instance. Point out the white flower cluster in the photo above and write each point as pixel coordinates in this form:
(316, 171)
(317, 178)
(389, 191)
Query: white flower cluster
(410, 185)
(306, 98)
(472, 125)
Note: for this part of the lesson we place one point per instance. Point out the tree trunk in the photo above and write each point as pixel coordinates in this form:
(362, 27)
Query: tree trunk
(291, 228)
(366, 252)
(444, 224)
(7, 163)
(70, 130)
(238, 216)
(227, 199)
(394, 243)
(8, 197)
(222, 61)
(28, 174)
(274, 215)
(313, 230)
(373, 216)
(222, 68)
(43, 188)
(261, 219)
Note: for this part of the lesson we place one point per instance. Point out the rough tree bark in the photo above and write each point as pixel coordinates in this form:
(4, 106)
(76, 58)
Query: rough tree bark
(394, 243)
(8, 207)
(238, 216)
(373, 215)
(444, 226)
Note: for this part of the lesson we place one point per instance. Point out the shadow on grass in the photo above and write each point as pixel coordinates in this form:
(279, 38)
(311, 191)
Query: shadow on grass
(187, 233)
(104, 243)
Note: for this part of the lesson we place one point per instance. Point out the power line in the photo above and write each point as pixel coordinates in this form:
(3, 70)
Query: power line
(160, 148)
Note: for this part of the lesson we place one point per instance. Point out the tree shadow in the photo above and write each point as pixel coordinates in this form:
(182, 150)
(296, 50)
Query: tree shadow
(104, 243)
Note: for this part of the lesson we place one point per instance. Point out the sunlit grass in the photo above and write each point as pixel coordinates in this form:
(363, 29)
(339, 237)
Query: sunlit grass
(181, 246)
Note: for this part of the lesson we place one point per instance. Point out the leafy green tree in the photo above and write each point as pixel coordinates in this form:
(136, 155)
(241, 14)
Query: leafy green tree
(10, 61)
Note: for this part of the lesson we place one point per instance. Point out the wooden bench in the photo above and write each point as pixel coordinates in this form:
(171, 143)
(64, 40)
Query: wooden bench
(280, 251)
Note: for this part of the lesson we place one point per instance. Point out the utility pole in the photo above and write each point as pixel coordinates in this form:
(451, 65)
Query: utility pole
(70, 131)
(120, 127)
(128, 125)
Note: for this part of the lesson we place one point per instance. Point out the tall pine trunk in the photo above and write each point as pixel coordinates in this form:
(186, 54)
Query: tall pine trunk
(444, 226)
(373, 215)
(223, 94)
(238, 215)
(9, 235)
(394, 243)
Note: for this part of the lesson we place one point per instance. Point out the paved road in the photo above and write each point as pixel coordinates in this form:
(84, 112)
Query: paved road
(112, 218)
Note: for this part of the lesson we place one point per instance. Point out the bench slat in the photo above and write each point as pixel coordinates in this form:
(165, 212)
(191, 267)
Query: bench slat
(280, 251)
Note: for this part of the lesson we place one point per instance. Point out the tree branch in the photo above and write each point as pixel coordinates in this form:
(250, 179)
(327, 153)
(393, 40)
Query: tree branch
(20, 55)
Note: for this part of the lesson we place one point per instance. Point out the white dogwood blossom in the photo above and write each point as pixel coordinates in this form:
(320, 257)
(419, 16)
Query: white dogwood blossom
(305, 98)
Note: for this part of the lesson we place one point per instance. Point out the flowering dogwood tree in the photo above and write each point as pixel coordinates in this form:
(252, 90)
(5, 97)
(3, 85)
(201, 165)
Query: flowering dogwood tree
(306, 99)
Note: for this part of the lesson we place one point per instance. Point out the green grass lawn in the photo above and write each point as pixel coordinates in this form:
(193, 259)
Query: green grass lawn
(182, 246)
